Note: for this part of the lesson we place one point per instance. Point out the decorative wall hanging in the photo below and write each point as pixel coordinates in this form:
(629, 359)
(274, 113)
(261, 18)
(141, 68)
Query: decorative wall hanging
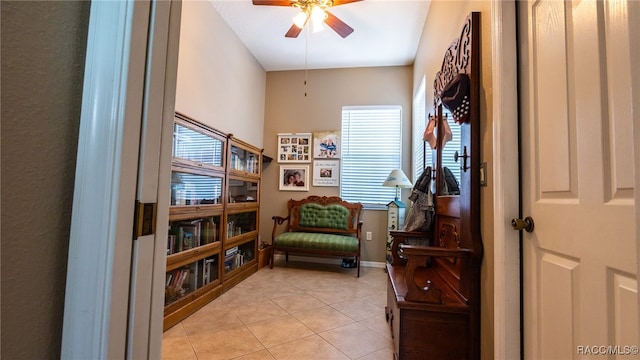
(326, 145)
(294, 178)
(294, 148)
(326, 173)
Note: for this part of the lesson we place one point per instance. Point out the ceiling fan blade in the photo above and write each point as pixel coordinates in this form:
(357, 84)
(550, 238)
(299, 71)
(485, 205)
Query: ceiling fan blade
(273, 2)
(338, 25)
(293, 32)
(342, 2)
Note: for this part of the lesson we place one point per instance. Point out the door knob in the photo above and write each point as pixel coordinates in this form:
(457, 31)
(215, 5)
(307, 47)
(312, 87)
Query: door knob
(520, 224)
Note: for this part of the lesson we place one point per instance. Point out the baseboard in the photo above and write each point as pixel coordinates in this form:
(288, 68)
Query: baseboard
(327, 260)
(373, 264)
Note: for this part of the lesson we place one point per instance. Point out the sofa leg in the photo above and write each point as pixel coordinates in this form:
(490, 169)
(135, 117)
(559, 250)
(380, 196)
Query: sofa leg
(286, 257)
(273, 251)
(358, 266)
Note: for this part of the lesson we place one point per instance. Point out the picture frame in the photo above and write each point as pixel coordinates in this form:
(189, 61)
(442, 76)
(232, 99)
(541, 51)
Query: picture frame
(294, 178)
(326, 173)
(326, 145)
(294, 147)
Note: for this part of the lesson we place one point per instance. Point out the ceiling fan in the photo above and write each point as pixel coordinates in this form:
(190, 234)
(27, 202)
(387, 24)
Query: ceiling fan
(314, 10)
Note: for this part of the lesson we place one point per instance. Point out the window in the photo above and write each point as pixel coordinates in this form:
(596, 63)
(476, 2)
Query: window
(420, 158)
(452, 146)
(371, 148)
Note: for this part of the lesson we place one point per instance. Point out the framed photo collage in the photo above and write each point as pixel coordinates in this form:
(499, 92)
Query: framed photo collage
(297, 150)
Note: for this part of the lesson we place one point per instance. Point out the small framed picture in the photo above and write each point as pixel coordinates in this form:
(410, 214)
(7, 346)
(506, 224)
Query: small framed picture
(294, 178)
(326, 173)
(326, 145)
(294, 148)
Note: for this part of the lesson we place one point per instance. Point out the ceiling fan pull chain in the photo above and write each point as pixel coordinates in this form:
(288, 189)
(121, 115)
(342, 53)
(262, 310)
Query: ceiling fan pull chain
(306, 56)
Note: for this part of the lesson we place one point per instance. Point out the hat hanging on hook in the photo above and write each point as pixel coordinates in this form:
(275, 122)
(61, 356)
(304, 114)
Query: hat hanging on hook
(455, 97)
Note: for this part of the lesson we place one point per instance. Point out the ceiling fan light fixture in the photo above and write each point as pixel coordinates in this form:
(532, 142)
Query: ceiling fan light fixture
(315, 10)
(301, 19)
(317, 17)
(318, 14)
(317, 26)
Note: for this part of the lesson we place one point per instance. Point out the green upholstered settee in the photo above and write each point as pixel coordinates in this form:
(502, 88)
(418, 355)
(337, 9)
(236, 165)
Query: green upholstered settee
(319, 225)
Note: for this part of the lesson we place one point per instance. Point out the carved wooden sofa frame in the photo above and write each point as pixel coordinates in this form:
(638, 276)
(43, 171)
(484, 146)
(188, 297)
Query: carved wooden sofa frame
(319, 225)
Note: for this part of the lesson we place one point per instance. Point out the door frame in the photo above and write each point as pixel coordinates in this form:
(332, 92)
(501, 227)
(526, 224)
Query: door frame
(634, 13)
(506, 193)
(505, 170)
(110, 307)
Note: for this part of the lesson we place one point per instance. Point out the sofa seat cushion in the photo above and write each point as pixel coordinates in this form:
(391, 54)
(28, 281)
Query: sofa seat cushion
(317, 241)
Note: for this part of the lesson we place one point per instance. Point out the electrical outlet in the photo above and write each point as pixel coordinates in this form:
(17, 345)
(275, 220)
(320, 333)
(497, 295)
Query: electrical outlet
(368, 235)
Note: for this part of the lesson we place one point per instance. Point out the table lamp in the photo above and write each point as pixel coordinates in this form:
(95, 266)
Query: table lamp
(396, 208)
(397, 179)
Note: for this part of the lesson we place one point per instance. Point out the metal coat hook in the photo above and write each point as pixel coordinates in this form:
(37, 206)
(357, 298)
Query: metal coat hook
(464, 157)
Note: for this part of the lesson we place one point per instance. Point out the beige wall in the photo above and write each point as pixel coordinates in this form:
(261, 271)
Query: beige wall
(289, 111)
(444, 23)
(219, 82)
(43, 50)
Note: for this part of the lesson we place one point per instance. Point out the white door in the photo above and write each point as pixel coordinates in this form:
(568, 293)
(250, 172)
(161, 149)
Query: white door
(579, 263)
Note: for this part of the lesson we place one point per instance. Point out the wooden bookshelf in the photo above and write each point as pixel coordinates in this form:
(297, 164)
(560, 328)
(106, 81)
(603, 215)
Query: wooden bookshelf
(212, 243)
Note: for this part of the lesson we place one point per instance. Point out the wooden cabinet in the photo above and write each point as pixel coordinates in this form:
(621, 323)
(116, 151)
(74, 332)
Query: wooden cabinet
(213, 220)
(241, 212)
(428, 319)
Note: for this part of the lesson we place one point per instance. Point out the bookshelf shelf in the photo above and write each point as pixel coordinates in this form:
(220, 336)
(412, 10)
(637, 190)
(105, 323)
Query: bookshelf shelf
(177, 213)
(213, 219)
(183, 258)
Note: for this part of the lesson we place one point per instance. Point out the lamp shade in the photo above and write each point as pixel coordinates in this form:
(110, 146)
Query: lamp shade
(397, 178)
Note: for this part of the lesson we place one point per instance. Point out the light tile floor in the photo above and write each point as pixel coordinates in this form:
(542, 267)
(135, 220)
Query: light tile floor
(297, 311)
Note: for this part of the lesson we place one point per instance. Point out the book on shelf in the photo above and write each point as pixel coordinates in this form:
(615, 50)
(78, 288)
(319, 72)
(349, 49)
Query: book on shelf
(194, 279)
(187, 235)
(178, 233)
(208, 269)
(190, 234)
(209, 231)
(232, 258)
(188, 240)
(171, 244)
(231, 252)
(176, 278)
(183, 276)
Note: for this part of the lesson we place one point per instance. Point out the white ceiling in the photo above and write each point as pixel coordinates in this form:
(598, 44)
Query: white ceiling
(386, 33)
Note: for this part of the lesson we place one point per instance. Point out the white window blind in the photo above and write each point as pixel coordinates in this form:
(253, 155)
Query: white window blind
(419, 151)
(451, 147)
(197, 147)
(371, 147)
